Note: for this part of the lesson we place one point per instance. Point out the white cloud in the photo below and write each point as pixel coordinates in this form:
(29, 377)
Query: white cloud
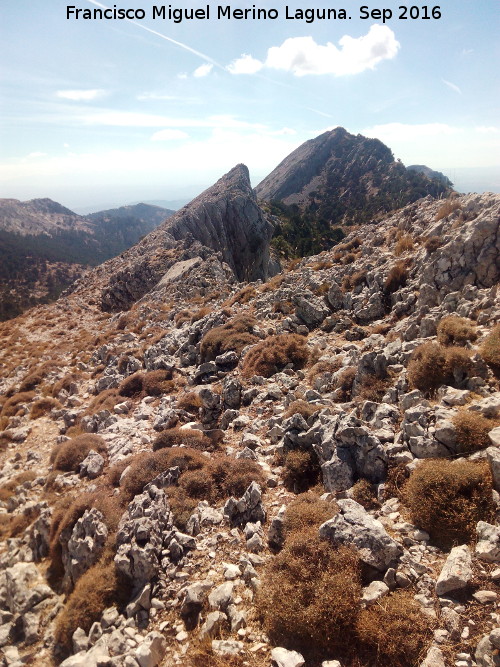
(182, 76)
(80, 95)
(487, 130)
(245, 64)
(203, 70)
(137, 119)
(391, 132)
(37, 154)
(302, 55)
(453, 86)
(168, 135)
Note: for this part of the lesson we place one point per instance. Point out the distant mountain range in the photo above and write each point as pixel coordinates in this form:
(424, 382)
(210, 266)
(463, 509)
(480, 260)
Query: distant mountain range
(45, 246)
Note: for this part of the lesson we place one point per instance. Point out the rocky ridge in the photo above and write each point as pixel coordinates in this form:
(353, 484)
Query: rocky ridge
(193, 580)
(347, 179)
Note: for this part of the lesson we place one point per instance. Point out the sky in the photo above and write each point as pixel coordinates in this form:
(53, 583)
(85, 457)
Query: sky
(109, 111)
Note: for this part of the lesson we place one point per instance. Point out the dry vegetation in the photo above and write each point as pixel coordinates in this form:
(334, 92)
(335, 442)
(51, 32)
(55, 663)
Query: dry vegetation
(234, 335)
(173, 437)
(275, 353)
(448, 498)
(433, 365)
(67, 456)
(453, 330)
(490, 349)
(448, 207)
(471, 431)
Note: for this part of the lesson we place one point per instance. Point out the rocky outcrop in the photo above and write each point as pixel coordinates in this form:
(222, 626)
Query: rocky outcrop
(346, 177)
(224, 225)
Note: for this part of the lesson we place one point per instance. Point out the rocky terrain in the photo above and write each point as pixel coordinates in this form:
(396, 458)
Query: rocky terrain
(346, 179)
(299, 469)
(44, 246)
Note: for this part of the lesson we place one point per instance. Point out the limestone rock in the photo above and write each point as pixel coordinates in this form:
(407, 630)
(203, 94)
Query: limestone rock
(457, 571)
(353, 525)
(285, 658)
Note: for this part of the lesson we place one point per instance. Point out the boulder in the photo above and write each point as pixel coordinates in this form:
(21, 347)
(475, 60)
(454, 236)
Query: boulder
(353, 525)
(457, 571)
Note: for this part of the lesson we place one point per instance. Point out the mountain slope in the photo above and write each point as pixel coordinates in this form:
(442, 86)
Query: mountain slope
(152, 463)
(45, 246)
(345, 179)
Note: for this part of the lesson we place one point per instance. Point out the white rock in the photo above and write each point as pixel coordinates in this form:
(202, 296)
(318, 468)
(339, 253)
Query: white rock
(285, 658)
(457, 571)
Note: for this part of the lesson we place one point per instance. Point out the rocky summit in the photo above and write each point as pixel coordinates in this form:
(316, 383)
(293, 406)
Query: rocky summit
(209, 460)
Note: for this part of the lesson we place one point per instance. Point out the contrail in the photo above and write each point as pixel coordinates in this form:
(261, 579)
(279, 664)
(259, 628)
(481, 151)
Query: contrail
(168, 39)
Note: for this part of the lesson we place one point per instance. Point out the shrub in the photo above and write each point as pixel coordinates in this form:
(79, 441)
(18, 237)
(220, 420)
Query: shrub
(64, 383)
(404, 244)
(309, 597)
(396, 278)
(448, 498)
(453, 330)
(190, 402)
(42, 406)
(471, 431)
(100, 587)
(344, 383)
(301, 470)
(395, 630)
(302, 407)
(490, 349)
(432, 243)
(234, 335)
(67, 456)
(12, 404)
(307, 512)
(156, 383)
(274, 353)
(448, 207)
(173, 437)
(146, 466)
(433, 365)
(364, 493)
(35, 376)
(132, 386)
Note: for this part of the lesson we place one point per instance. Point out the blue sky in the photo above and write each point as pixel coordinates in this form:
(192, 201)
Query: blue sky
(116, 111)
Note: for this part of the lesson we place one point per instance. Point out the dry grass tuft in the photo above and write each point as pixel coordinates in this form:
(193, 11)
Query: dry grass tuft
(67, 456)
(448, 207)
(234, 335)
(490, 349)
(13, 404)
(44, 405)
(309, 598)
(395, 630)
(302, 408)
(433, 365)
(404, 244)
(35, 376)
(453, 330)
(448, 498)
(273, 354)
(471, 431)
(8, 489)
(396, 278)
(301, 470)
(344, 382)
(173, 437)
